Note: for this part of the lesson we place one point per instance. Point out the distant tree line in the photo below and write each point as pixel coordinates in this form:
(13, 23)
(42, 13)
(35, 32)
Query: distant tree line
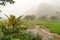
(44, 18)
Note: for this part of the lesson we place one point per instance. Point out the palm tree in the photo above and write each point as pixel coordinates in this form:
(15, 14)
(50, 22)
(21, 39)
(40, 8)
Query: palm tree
(13, 21)
(12, 25)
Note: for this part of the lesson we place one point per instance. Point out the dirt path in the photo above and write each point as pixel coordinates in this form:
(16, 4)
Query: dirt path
(42, 32)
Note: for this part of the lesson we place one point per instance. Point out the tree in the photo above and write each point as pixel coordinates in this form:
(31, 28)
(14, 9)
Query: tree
(32, 17)
(53, 18)
(11, 25)
(4, 2)
(58, 16)
(12, 21)
(43, 18)
(29, 17)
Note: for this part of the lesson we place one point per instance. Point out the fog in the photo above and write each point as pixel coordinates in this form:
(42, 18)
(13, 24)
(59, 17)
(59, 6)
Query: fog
(28, 7)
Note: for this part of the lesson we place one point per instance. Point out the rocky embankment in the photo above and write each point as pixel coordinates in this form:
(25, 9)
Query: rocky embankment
(44, 33)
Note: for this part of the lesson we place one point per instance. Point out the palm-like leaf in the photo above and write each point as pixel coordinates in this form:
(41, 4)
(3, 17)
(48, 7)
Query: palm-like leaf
(13, 21)
(19, 17)
(4, 2)
(6, 16)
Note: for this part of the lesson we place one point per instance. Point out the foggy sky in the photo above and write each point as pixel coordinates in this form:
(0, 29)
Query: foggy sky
(22, 6)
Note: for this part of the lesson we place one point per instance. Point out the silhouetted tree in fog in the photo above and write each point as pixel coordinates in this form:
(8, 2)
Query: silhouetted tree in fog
(29, 17)
(43, 18)
(53, 18)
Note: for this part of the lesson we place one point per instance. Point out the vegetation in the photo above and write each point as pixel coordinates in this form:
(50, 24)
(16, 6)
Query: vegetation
(29, 17)
(4, 2)
(54, 27)
(13, 29)
(43, 18)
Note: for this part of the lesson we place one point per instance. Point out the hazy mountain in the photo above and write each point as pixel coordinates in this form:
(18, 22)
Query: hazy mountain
(42, 9)
(45, 9)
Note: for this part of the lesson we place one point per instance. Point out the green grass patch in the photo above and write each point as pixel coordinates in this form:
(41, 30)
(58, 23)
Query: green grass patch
(53, 26)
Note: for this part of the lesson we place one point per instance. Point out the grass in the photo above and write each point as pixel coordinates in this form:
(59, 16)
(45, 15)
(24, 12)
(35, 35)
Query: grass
(54, 27)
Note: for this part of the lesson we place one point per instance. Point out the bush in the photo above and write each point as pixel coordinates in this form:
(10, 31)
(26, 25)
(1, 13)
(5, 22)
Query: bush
(26, 36)
(8, 37)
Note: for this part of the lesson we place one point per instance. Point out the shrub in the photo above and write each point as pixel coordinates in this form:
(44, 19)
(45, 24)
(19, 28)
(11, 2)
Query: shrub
(8, 37)
(26, 36)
